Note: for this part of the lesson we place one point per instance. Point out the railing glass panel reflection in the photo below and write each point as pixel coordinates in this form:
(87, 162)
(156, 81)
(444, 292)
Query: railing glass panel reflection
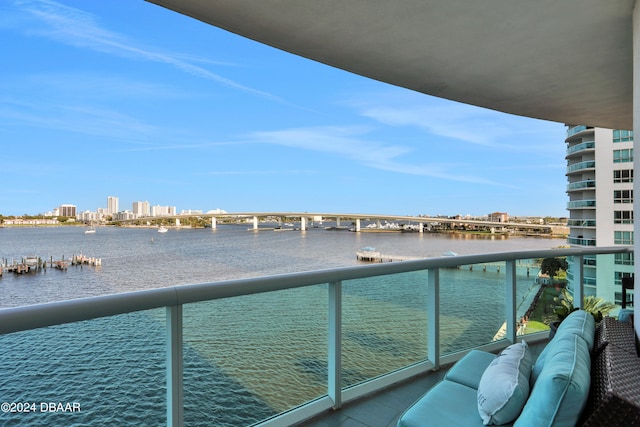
(270, 350)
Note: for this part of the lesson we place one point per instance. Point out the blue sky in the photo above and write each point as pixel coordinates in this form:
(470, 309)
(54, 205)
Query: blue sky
(124, 98)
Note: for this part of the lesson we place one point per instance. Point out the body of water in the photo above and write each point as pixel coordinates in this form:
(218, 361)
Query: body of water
(246, 358)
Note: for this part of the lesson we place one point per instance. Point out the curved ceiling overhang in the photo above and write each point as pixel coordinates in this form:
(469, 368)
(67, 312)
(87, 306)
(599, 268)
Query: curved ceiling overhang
(567, 61)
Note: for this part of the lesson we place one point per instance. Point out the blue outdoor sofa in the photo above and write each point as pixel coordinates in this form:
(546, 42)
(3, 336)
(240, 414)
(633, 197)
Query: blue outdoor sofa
(510, 388)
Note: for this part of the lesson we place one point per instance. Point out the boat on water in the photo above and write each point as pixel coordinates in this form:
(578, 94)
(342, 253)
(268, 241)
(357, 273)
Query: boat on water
(162, 230)
(90, 230)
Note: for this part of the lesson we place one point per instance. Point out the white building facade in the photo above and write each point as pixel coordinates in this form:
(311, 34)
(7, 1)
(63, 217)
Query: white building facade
(141, 208)
(600, 189)
(112, 205)
(163, 210)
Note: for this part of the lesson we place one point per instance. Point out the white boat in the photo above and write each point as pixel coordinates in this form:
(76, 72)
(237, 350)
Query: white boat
(90, 230)
(162, 230)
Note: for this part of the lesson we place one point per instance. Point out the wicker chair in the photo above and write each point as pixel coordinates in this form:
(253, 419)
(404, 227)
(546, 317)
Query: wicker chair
(614, 397)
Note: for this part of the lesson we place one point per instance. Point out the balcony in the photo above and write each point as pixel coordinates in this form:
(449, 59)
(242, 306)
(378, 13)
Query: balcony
(580, 148)
(577, 129)
(276, 350)
(589, 184)
(581, 204)
(580, 167)
(581, 241)
(590, 223)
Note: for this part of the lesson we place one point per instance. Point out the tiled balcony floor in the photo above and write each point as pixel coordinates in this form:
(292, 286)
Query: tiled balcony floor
(383, 409)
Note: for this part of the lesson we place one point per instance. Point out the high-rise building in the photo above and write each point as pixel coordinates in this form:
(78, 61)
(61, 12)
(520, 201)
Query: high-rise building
(67, 210)
(141, 208)
(112, 205)
(600, 189)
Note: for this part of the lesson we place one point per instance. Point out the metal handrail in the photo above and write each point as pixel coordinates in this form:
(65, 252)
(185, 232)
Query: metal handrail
(173, 298)
(22, 318)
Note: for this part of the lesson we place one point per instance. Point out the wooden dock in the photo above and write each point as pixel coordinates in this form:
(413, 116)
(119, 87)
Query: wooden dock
(371, 255)
(82, 260)
(33, 264)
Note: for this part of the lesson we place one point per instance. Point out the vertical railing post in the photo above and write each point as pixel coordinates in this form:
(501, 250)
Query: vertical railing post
(510, 300)
(433, 316)
(578, 281)
(334, 379)
(175, 395)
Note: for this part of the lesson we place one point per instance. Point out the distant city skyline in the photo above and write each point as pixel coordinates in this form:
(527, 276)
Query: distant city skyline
(129, 98)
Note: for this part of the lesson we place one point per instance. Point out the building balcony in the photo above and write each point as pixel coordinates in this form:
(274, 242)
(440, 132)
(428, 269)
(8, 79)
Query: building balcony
(587, 184)
(578, 129)
(581, 167)
(271, 351)
(586, 146)
(581, 241)
(584, 223)
(581, 204)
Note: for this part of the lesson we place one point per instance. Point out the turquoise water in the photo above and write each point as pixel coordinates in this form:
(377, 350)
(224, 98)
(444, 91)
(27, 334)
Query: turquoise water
(246, 358)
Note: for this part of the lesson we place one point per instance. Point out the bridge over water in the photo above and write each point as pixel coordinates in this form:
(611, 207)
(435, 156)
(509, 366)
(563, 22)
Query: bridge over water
(303, 219)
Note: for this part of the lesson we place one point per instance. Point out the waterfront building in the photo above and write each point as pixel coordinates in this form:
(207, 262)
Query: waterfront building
(88, 216)
(123, 216)
(163, 210)
(600, 189)
(112, 205)
(499, 217)
(141, 208)
(67, 210)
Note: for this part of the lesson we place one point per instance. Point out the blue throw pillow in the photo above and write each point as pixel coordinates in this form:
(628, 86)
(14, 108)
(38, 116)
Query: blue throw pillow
(504, 386)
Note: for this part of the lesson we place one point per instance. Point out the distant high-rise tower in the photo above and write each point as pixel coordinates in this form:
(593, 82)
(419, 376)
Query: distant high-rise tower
(141, 208)
(112, 205)
(600, 189)
(67, 210)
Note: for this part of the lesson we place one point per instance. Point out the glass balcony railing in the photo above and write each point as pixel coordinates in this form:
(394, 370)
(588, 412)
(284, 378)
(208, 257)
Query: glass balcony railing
(589, 164)
(586, 145)
(581, 241)
(581, 185)
(579, 204)
(581, 223)
(576, 129)
(269, 351)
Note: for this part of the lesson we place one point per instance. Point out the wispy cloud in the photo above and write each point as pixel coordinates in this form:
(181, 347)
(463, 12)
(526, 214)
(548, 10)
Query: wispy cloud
(80, 119)
(448, 119)
(258, 172)
(78, 28)
(353, 143)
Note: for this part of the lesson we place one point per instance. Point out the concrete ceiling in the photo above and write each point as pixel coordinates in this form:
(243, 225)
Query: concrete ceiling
(567, 61)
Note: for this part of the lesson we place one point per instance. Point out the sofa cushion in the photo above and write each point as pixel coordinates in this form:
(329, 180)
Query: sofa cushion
(580, 323)
(504, 386)
(561, 390)
(447, 404)
(469, 369)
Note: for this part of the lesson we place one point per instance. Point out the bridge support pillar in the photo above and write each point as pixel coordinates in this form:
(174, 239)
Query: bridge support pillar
(421, 227)
(357, 224)
(255, 222)
(337, 222)
(214, 223)
(177, 222)
(303, 223)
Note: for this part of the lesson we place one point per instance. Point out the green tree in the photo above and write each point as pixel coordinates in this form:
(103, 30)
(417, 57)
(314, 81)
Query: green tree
(552, 266)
